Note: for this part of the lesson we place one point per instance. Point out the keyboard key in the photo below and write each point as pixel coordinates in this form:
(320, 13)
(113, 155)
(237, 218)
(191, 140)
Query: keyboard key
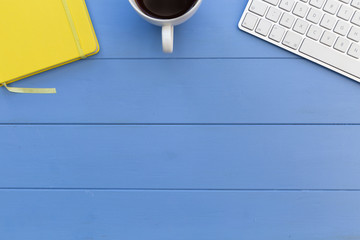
(355, 3)
(341, 44)
(286, 5)
(287, 20)
(273, 14)
(314, 32)
(300, 9)
(258, 7)
(263, 27)
(335, 59)
(331, 6)
(249, 21)
(316, 3)
(277, 33)
(354, 34)
(328, 22)
(300, 26)
(342, 28)
(354, 50)
(272, 2)
(292, 40)
(345, 12)
(356, 18)
(314, 15)
(328, 38)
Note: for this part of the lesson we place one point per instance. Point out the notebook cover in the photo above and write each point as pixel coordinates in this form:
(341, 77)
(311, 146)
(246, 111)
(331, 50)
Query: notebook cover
(36, 35)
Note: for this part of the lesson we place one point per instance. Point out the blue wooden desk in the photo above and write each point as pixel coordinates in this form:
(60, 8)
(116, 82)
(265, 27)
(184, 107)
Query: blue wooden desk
(228, 138)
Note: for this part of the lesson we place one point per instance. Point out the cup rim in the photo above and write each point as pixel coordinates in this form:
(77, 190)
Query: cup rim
(137, 8)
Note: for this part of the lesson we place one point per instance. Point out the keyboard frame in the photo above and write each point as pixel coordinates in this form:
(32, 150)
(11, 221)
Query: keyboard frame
(278, 44)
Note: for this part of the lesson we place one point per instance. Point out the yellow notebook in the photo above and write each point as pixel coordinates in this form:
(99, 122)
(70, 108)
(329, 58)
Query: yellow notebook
(38, 35)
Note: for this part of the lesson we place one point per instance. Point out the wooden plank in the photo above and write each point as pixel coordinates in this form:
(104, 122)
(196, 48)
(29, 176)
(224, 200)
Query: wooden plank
(186, 91)
(180, 157)
(179, 215)
(212, 32)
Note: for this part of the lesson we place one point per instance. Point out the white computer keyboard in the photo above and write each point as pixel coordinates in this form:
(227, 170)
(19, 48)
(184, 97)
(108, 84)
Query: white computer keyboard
(324, 31)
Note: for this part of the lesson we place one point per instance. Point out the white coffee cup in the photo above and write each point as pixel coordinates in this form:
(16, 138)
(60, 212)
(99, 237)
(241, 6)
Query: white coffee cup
(167, 24)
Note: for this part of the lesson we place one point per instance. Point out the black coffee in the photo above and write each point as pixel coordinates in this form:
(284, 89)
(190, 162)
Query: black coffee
(165, 9)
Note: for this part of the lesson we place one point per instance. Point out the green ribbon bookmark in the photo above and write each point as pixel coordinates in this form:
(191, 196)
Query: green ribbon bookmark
(30, 90)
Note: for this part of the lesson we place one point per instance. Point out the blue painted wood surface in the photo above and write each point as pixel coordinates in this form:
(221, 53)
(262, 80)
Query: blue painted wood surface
(179, 215)
(228, 138)
(181, 157)
(187, 91)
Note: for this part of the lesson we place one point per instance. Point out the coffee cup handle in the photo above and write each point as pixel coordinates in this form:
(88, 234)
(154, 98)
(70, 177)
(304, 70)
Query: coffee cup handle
(168, 38)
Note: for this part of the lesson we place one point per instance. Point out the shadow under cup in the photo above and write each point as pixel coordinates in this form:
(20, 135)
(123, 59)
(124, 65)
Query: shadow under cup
(165, 9)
